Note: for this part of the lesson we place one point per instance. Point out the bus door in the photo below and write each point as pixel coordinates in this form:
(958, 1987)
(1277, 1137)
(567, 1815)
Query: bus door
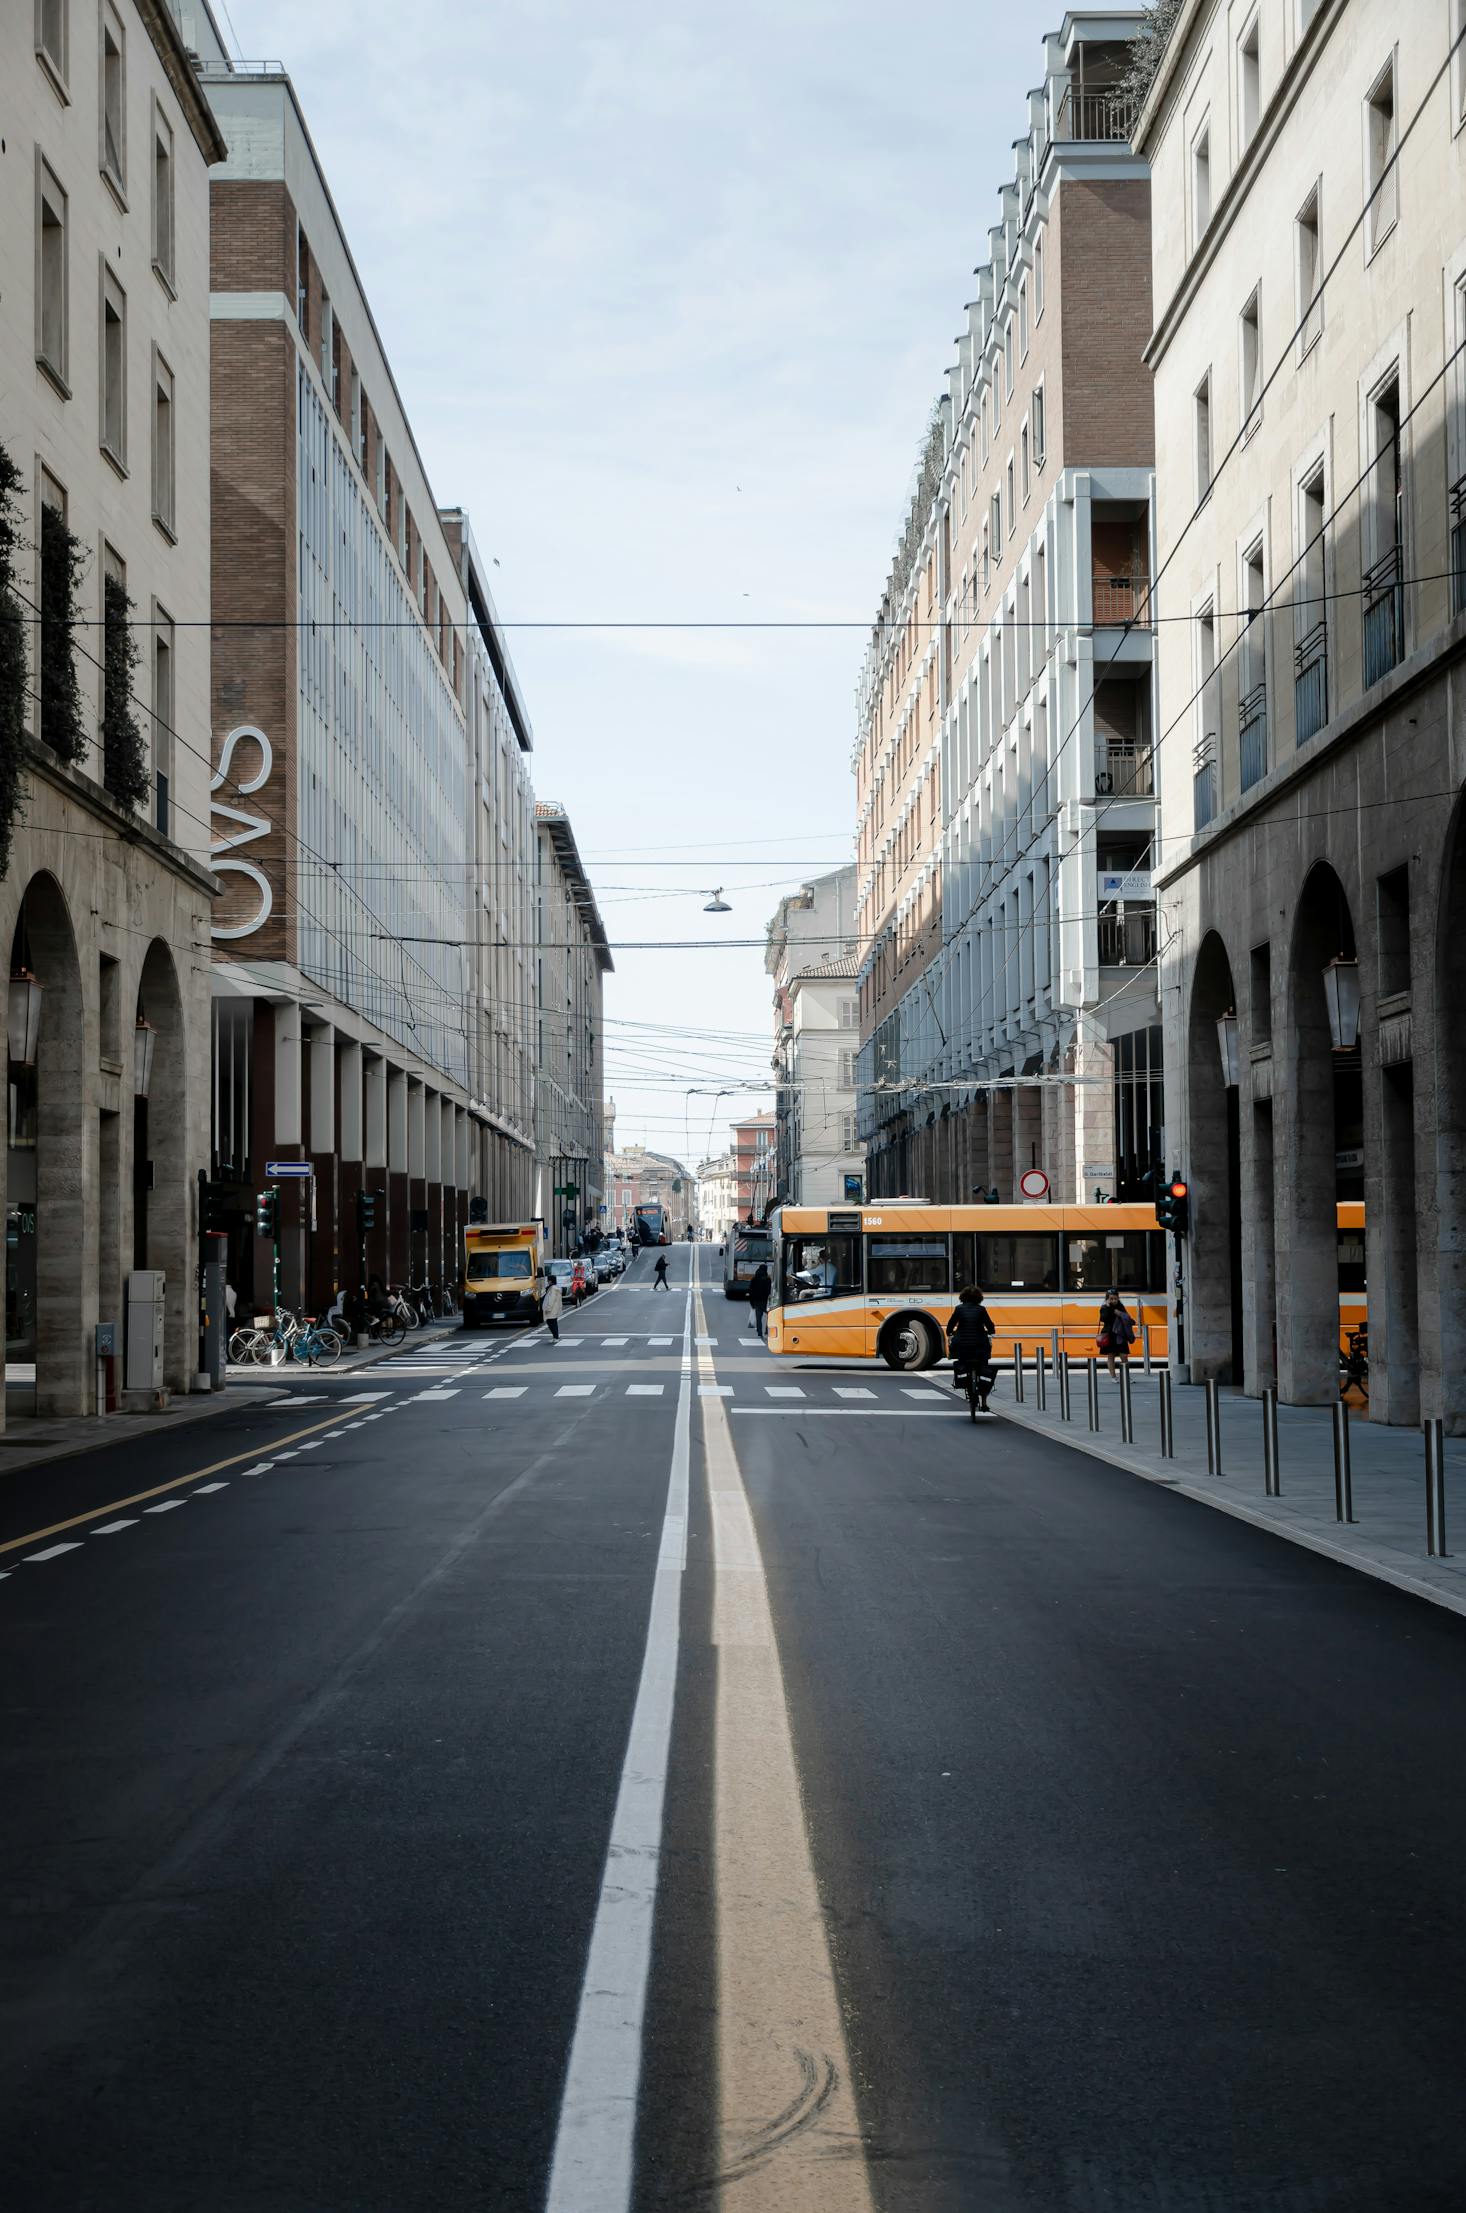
(821, 1294)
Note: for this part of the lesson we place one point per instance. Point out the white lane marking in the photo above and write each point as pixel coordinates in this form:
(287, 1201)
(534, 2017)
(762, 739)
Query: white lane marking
(313, 1446)
(859, 1413)
(661, 1340)
(362, 1398)
(783, 1390)
(595, 2140)
(615, 1340)
(52, 1552)
(421, 1395)
(261, 1466)
(110, 1528)
(306, 1398)
(750, 1340)
(575, 1390)
(166, 1506)
(907, 1391)
(706, 1340)
(715, 1390)
(506, 1390)
(205, 1488)
(644, 1390)
(852, 1390)
(330, 1433)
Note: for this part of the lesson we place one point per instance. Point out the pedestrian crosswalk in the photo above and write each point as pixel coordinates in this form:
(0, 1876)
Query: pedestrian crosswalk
(811, 1395)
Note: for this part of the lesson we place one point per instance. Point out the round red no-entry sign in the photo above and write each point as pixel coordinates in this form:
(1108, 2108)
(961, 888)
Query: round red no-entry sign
(1034, 1184)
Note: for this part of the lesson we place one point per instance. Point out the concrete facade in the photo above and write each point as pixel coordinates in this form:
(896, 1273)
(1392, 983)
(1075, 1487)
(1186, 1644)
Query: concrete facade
(573, 959)
(717, 1195)
(1310, 286)
(636, 1177)
(755, 1165)
(810, 955)
(104, 410)
(1029, 1035)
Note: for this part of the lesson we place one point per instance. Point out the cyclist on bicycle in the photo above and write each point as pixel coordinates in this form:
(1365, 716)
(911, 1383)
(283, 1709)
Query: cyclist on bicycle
(970, 1337)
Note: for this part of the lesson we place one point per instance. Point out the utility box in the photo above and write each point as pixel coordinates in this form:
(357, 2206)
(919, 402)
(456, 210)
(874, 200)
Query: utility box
(145, 1329)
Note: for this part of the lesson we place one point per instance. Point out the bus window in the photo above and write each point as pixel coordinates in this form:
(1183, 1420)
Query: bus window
(896, 1266)
(1122, 1260)
(821, 1267)
(1028, 1261)
(1352, 1274)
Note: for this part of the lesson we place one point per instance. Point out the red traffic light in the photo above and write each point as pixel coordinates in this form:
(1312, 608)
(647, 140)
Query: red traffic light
(1178, 1188)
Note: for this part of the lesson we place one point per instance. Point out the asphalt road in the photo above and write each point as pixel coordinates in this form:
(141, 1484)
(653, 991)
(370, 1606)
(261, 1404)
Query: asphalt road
(1132, 1834)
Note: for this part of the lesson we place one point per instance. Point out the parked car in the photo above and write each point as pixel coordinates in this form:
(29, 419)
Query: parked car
(605, 1265)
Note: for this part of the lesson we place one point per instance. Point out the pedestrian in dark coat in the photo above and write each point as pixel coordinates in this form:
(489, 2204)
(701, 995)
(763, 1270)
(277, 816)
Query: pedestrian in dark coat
(760, 1291)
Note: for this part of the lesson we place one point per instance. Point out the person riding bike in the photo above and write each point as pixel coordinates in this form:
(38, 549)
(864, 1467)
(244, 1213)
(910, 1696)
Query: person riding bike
(970, 1337)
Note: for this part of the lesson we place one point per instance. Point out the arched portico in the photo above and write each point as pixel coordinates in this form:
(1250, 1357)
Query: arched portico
(157, 1072)
(1443, 1206)
(1320, 1140)
(50, 1236)
(1214, 1314)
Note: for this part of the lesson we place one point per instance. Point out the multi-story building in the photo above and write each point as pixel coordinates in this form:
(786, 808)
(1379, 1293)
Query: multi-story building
(105, 891)
(1025, 1031)
(572, 958)
(755, 1165)
(810, 954)
(1310, 321)
(636, 1177)
(717, 1195)
(343, 979)
(501, 1027)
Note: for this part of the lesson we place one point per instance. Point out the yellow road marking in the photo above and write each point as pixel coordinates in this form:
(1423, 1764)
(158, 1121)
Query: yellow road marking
(787, 2118)
(95, 1513)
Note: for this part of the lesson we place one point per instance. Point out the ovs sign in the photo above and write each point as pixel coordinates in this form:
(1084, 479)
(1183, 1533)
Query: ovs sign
(250, 826)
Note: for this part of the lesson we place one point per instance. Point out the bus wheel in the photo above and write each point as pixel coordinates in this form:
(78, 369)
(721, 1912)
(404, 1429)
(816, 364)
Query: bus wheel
(909, 1342)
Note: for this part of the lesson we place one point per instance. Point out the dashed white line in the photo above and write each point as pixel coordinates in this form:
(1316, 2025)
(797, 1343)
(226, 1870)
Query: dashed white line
(715, 1390)
(52, 1552)
(852, 1390)
(575, 1390)
(110, 1528)
(205, 1488)
(783, 1390)
(166, 1506)
(644, 1390)
(432, 1394)
(506, 1390)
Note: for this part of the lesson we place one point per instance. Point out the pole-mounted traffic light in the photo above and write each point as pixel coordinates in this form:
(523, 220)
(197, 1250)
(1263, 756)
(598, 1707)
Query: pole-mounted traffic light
(267, 1213)
(1173, 1205)
(366, 1210)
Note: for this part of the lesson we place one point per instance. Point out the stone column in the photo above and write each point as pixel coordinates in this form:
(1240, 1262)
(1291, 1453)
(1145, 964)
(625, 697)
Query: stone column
(1307, 1236)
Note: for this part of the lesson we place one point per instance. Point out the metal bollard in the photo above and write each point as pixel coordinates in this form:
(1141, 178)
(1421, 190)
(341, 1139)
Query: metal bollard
(1343, 1473)
(1061, 1370)
(1213, 1426)
(1054, 1349)
(1145, 1345)
(1127, 1408)
(1272, 1479)
(1040, 1380)
(1168, 1434)
(1018, 1370)
(1435, 1487)
(1092, 1387)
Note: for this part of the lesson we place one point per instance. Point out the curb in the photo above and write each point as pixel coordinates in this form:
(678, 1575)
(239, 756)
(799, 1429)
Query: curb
(1453, 1602)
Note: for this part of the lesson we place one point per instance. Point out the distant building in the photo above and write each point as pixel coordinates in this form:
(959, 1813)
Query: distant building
(717, 1195)
(636, 1177)
(755, 1165)
(810, 955)
(573, 959)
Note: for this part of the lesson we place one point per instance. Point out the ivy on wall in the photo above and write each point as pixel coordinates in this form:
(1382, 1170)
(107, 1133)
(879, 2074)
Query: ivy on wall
(63, 564)
(14, 670)
(124, 748)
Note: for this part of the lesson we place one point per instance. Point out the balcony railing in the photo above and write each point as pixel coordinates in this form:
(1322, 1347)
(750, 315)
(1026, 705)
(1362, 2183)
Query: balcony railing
(1204, 781)
(1119, 599)
(1252, 736)
(1384, 616)
(1458, 546)
(1128, 773)
(1311, 683)
(1127, 940)
(1089, 114)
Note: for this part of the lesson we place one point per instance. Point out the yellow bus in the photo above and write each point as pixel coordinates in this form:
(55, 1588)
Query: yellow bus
(878, 1282)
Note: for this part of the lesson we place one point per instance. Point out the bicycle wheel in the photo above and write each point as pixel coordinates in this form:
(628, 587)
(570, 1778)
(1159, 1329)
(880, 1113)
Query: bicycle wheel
(324, 1347)
(242, 1348)
(394, 1329)
(970, 1380)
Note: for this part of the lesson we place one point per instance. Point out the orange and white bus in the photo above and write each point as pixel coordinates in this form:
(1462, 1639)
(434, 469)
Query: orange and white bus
(878, 1282)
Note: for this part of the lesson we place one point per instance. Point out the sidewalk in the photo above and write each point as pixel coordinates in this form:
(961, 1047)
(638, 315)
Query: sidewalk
(25, 1442)
(1387, 1536)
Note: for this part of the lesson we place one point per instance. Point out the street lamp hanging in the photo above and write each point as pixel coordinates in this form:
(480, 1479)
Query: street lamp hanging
(717, 904)
(1231, 1052)
(144, 1038)
(24, 1018)
(1341, 993)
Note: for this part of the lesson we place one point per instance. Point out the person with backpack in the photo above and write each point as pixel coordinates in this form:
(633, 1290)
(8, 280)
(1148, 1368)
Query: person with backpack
(970, 1335)
(760, 1291)
(1116, 1331)
(659, 1273)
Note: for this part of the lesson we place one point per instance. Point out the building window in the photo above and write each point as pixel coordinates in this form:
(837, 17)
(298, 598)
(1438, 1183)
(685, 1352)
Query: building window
(51, 274)
(1201, 418)
(1309, 272)
(1384, 579)
(302, 283)
(1008, 360)
(847, 1068)
(996, 524)
(164, 454)
(113, 90)
(997, 398)
(1249, 85)
(1012, 502)
(1023, 458)
(1200, 183)
(1381, 171)
(163, 197)
(113, 368)
(1252, 699)
(1310, 653)
(328, 346)
(1205, 748)
(382, 480)
(1023, 320)
(1037, 418)
(358, 421)
(849, 1011)
(1250, 363)
(162, 719)
(51, 41)
(1038, 278)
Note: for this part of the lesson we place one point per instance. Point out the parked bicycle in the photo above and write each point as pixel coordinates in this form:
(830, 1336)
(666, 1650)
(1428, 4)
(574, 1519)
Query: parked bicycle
(315, 1344)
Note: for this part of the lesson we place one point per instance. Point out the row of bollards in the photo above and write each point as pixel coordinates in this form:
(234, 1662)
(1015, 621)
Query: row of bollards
(1272, 1472)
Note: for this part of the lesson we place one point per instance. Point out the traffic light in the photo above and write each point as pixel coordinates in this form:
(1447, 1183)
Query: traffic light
(1173, 1206)
(267, 1214)
(216, 1209)
(366, 1210)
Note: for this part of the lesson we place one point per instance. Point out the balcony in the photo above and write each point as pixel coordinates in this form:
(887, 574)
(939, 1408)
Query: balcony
(1204, 781)
(1121, 599)
(1127, 940)
(1311, 683)
(1252, 736)
(1095, 113)
(1458, 546)
(1384, 616)
(1128, 773)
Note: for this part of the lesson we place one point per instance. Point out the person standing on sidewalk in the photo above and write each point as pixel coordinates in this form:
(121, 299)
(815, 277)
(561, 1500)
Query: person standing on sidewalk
(551, 1306)
(659, 1273)
(1116, 1331)
(760, 1291)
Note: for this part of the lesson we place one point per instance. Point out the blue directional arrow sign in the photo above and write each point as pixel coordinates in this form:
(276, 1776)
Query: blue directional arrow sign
(275, 1169)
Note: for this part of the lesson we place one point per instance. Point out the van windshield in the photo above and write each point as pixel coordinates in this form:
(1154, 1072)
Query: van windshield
(484, 1265)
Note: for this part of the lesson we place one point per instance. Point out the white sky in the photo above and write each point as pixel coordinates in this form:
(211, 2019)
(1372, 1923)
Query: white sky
(668, 292)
